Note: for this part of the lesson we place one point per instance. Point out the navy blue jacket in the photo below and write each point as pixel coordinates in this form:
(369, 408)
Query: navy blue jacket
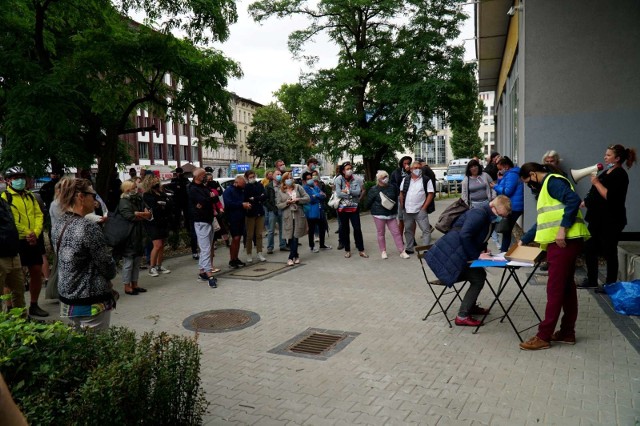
(233, 198)
(464, 243)
(257, 192)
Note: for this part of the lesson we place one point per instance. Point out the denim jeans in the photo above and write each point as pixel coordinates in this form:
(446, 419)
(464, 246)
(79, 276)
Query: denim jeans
(273, 220)
(130, 269)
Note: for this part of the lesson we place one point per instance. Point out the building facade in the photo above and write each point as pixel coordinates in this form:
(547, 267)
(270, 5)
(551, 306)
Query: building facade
(487, 130)
(564, 74)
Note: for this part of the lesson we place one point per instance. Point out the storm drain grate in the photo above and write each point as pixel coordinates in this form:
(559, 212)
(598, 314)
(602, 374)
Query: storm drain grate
(315, 343)
(220, 321)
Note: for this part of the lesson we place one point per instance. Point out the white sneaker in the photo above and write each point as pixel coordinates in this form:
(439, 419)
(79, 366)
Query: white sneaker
(249, 258)
(384, 255)
(404, 255)
(261, 258)
(317, 239)
(316, 249)
(153, 272)
(163, 270)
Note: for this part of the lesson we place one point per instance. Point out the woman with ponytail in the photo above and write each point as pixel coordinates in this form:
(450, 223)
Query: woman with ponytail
(85, 265)
(607, 214)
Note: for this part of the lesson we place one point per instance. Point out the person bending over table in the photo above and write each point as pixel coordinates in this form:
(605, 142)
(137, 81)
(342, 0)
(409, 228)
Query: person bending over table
(450, 256)
(560, 230)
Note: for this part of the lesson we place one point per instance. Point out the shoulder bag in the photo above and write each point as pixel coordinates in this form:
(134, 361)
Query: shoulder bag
(117, 229)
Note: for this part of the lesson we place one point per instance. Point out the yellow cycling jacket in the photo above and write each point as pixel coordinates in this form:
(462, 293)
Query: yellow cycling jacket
(26, 212)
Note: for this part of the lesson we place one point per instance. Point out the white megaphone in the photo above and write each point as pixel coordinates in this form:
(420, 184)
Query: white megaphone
(578, 174)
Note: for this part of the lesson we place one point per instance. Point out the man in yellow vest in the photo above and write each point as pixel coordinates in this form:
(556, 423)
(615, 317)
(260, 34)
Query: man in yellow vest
(560, 230)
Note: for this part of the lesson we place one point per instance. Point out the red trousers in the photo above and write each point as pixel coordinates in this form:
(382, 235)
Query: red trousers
(561, 290)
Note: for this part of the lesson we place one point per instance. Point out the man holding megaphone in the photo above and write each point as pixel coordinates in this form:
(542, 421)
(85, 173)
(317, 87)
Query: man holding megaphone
(606, 212)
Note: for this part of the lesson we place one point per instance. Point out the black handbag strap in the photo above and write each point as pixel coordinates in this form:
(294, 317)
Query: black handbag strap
(64, 228)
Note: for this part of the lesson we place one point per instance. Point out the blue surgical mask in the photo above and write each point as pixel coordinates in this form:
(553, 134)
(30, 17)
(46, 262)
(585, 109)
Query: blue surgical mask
(313, 167)
(288, 182)
(309, 182)
(18, 184)
(497, 219)
(610, 165)
(278, 178)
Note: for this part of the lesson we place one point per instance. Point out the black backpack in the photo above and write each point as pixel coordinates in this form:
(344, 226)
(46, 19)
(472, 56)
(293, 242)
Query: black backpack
(450, 214)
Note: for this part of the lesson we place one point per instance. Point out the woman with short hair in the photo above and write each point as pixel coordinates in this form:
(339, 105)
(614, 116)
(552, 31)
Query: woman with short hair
(156, 199)
(379, 200)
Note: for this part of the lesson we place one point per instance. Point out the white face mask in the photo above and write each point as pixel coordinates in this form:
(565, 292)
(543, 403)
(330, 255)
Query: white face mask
(416, 172)
(385, 180)
(252, 180)
(348, 173)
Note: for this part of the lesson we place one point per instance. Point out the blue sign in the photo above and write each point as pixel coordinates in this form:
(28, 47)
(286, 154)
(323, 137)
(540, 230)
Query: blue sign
(243, 167)
(233, 166)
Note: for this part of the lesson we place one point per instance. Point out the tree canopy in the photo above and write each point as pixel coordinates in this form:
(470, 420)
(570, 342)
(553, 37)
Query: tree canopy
(395, 64)
(73, 73)
(274, 137)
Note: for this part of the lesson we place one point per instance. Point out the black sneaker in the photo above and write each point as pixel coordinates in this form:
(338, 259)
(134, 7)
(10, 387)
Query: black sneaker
(213, 282)
(37, 311)
(325, 247)
(409, 251)
(195, 256)
(340, 246)
(234, 264)
(203, 277)
(284, 248)
(270, 251)
(240, 263)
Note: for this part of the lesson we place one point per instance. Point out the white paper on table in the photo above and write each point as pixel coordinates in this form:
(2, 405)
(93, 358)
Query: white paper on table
(516, 263)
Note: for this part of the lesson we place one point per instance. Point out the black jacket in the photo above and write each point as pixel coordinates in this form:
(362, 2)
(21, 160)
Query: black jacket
(200, 203)
(374, 202)
(255, 194)
(9, 240)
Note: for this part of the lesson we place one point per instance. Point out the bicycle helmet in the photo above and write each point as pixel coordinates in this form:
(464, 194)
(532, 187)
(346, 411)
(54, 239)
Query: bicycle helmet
(14, 171)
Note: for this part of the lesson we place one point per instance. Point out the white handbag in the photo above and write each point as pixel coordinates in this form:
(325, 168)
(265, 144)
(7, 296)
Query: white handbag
(387, 202)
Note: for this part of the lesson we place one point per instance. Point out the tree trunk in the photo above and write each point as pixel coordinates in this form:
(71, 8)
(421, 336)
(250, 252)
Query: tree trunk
(372, 164)
(106, 163)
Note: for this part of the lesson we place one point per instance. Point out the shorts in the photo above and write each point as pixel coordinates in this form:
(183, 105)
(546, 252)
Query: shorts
(157, 232)
(30, 255)
(236, 227)
(41, 246)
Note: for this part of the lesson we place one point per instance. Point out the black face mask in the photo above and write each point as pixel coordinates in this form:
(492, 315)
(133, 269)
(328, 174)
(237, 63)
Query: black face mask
(535, 187)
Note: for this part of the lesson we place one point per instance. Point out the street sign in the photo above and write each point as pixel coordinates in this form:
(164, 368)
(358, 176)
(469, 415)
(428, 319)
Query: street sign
(243, 167)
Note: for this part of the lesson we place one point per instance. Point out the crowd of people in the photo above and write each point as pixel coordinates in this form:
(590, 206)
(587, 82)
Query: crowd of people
(295, 207)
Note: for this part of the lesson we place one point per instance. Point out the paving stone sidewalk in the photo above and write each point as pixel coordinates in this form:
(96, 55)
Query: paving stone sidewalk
(399, 369)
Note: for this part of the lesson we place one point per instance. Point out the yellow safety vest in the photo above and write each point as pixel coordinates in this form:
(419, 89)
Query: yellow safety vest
(550, 213)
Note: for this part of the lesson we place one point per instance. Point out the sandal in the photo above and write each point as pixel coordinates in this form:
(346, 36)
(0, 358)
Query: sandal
(363, 254)
(347, 254)
(215, 271)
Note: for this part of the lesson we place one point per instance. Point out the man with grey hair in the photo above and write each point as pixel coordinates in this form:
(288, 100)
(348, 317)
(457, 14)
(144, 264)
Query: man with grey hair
(201, 203)
(416, 194)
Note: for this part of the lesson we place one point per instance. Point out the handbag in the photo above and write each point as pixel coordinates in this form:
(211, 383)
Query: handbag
(387, 202)
(117, 229)
(334, 201)
(450, 214)
(216, 225)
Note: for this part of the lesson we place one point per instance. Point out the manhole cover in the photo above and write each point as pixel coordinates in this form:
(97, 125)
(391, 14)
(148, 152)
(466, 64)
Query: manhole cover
(220, 321)
(258, 272)
(315, 343)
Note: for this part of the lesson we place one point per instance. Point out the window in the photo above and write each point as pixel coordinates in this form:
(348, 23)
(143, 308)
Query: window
(194, 153)
(184, 153)
(193, 130)
(431, 150)
(143, 150)
(493, 137)
(441, 151)
(486, 136)
(490, 110)
(157, 151)
(486, 111)
(171, 152)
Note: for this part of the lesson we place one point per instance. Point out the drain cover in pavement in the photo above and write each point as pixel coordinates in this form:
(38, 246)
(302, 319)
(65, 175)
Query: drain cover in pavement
(259, 271)
(220, 321)
(315, 343)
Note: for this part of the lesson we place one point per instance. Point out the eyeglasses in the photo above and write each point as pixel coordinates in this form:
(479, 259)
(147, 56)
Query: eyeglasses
(93, 194)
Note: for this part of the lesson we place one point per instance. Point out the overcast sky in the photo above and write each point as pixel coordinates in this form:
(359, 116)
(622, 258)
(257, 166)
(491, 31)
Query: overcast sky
(266, 61)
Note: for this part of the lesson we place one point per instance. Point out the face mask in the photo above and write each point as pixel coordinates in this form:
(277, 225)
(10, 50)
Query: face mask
(288, 182)
(497, 219)
(348, 173)
(416, 172)
(610, 165)
(282, 168)
(309, 182)
(18, 184)
(535, 187)
(385, 180)
(315, 178)
(278, 178)
(313, 167)
(252, 180)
